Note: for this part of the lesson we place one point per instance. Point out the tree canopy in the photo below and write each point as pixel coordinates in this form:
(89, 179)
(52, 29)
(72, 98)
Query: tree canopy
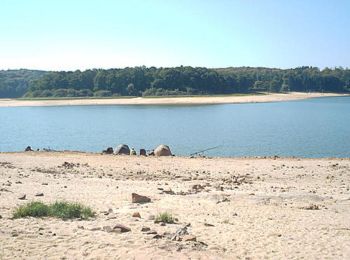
(151, 81)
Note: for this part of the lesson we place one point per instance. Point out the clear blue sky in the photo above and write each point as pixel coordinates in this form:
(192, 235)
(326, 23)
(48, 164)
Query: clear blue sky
(80, 34)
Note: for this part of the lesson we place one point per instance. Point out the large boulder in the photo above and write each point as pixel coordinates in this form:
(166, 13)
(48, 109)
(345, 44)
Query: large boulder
(162, 150)
(109, 150)
(122, 149)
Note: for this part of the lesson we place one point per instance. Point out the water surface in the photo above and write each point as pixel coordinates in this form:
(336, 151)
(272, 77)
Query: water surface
(308, 128)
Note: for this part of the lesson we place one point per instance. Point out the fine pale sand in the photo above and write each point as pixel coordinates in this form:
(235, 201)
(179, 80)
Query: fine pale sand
(238, 208)
(276, 97)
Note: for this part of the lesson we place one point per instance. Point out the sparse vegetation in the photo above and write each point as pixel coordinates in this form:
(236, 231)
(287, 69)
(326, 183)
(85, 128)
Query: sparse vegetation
(165, 217)
(61, 209)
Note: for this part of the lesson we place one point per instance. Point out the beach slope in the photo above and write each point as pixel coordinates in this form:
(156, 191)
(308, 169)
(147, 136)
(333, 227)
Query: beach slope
(245, 208)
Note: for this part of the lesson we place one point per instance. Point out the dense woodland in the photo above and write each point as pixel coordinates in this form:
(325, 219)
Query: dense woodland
(143, 81)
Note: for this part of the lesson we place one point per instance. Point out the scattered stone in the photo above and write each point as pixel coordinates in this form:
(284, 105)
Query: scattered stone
(28, 149)
(143, 152)
(39, 194)
(223, 200)
(95, 229)
(151, 217)
(180, 232)
(109, 150)
(162, 150)
(107, 229)
(189, 238)
(145, 229)
(136, 215)
(44, 183)
(162, 224)
(122, 149)
(151, 232)
(208, 225)
(168, 191)
(122, 228)
(136, 198)
(157, 236)
(312, 207)
(22, 197)
(18, 182)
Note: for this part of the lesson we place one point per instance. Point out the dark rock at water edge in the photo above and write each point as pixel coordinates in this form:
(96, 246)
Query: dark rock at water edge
(122, 149)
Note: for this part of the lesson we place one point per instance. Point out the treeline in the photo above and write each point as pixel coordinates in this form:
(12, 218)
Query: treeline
(15, 83)
(143, 81)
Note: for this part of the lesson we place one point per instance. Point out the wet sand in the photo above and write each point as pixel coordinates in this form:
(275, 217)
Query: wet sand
(237, 208)
(275, 97)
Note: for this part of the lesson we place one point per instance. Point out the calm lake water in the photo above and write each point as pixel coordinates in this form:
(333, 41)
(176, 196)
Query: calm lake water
(308, 128)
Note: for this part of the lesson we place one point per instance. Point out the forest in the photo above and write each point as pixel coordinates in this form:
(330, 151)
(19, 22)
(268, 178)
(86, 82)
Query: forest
(152, 81)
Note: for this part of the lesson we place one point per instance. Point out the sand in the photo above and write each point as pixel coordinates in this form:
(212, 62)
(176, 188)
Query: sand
(238, 208)
(276, 97)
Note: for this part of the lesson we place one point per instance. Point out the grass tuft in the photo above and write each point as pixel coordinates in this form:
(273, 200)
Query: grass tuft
(33, 209)
(59, 209)
(165, 217)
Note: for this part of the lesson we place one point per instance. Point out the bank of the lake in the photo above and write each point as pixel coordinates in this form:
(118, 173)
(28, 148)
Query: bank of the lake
(200, 100)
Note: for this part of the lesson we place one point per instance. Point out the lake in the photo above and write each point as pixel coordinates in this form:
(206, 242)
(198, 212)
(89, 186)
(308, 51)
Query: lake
(309, 128)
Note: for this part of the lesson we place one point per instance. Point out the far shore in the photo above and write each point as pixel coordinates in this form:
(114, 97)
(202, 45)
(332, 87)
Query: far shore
(200, 100)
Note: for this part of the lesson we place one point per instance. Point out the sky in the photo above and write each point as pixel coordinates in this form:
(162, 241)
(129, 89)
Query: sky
(83, 34)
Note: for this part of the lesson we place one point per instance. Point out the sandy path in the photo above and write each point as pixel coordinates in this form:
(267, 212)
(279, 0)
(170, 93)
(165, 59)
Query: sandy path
(168, 101)
(243, 208)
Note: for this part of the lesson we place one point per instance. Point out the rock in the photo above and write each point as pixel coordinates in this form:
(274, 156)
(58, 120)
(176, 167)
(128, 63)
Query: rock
(0, 217)
(136, 215)
(22, 197)
(95, 229)
(180, 232)
(143, 152)
(151, 232)
(151, 217)
(109, 150)
(189, 238)
(145, 229)
(132, 151)
(136, 198)
(122, 149)
(162, 150)
(28, 149)
(122, 228)
(107, 228)
(157, 236)
(44, 183)
(208, 225)
(39, 194)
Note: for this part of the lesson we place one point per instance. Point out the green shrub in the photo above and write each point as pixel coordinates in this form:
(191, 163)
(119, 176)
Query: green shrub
(62, 209)
(33, 209)
(165, 217)
(66, 210)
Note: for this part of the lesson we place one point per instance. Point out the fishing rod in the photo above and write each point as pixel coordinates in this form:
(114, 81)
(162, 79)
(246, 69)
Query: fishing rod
(205, 150)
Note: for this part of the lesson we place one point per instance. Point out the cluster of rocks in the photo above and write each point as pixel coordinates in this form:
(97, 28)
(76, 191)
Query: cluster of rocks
(123, 149)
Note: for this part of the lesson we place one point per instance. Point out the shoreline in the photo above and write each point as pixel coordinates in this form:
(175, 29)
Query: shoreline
(88, 153)
(201, 100)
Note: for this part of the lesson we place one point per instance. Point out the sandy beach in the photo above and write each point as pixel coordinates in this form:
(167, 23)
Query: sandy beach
(272, 97)
(237, 208)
